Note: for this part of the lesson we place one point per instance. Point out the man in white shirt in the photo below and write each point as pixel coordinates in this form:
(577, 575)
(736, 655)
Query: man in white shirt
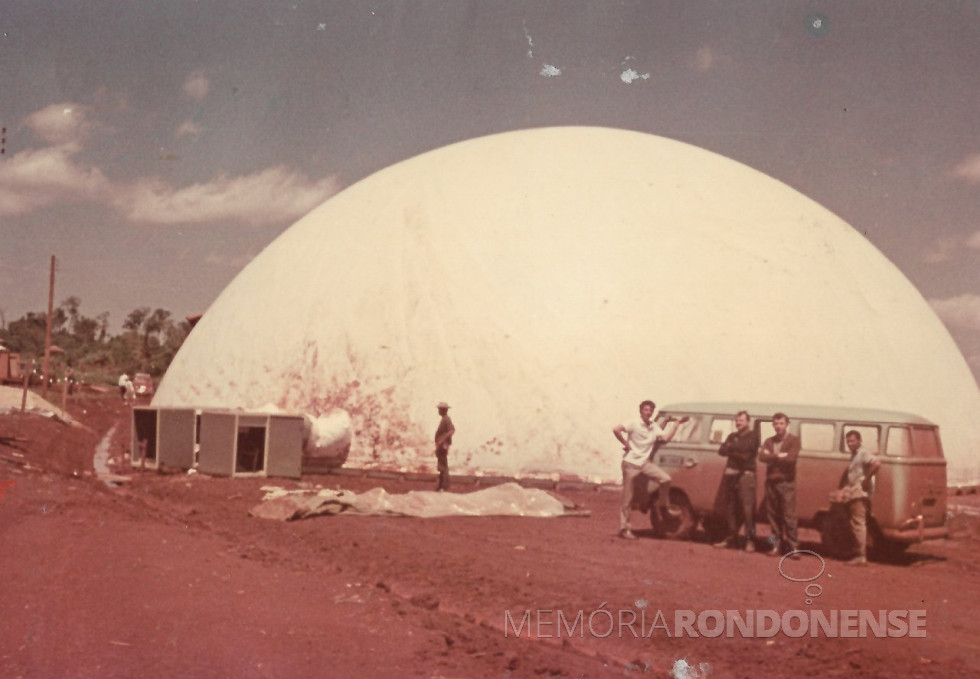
(856, 491)
(639, 438)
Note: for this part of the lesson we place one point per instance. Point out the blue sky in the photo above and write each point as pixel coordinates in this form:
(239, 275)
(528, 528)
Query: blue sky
(156, 147)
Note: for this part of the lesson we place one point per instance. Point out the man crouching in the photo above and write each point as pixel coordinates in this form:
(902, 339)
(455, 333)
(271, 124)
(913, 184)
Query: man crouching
(639, 442)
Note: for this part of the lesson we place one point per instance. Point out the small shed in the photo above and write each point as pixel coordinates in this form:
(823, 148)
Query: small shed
(166, 436)
(235, 443)
(219, 442)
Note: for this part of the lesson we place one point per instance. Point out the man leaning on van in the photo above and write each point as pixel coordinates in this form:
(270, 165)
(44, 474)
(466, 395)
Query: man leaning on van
(857, 487)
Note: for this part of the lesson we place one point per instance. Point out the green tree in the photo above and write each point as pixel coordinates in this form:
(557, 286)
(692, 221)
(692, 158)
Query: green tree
(69, 309)
(26, 335)
(148, 327)
(148, 343)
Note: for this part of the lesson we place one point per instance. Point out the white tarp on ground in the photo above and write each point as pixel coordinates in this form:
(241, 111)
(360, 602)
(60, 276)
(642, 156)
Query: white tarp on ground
(544, 282)
(507, 499)
(12, 397)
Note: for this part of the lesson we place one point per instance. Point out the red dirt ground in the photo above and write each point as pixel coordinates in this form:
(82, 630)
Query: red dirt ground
(168, 576)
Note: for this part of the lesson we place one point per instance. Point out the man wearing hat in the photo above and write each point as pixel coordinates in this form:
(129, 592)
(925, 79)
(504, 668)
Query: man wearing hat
(444, 439)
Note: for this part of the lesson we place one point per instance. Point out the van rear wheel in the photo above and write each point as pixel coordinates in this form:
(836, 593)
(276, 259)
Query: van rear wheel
(677, 525)
(880, 547)
(836, 538)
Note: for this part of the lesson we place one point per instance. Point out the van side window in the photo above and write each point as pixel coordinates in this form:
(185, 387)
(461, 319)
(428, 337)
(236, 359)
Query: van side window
(899, 442)
(764, 429)
(925, 442)
(870, 437)
(817, 436)
(721, 427)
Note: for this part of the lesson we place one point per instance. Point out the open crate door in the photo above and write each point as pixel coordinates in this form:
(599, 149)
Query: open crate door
(219, 438)
(285, 454)
(145, 435)
(176, 433)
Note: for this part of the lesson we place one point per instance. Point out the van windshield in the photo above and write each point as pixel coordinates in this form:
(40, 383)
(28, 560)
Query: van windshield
(689, 432)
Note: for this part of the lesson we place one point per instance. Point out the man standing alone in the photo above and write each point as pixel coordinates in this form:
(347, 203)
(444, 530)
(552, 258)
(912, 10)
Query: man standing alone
(737, 491)
(641, 437)
(444, 439)
(779, 452)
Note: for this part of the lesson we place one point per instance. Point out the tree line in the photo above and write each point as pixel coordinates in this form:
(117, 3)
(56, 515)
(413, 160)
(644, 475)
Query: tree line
(148, 342)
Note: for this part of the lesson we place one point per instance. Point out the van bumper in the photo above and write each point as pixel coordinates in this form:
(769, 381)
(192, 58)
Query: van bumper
(916, 533)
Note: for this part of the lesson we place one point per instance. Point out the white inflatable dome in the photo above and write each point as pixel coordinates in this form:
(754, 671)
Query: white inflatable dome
(544, 282)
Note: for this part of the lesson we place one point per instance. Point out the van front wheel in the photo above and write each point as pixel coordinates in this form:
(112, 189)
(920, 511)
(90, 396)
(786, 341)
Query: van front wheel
(678, 524)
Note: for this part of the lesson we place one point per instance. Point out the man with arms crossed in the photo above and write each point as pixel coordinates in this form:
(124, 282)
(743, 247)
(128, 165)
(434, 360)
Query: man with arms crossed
(737, 491)
(779, 452)
(639, 438)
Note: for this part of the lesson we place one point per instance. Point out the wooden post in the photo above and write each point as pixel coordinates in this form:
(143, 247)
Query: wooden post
(47, 332)
(64, 396)
(23, 405)
(27, 379)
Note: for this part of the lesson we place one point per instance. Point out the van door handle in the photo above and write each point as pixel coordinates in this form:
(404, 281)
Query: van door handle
(690, 462)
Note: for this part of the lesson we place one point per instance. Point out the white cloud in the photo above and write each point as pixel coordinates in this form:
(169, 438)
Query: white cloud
(629, 75)
(969, 169)
(549, 71)
(196, 86)
(268, 196)
(35, 178)
(946, 248)
(189, 128)
(962, 311)
(60, 123)
(943, 249)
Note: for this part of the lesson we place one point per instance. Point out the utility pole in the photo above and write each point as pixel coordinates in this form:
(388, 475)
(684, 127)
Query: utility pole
(47, 332)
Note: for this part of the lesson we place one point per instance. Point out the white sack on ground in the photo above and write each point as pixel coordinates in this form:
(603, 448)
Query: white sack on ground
(508, 499)
(544, 282)
(330, 437)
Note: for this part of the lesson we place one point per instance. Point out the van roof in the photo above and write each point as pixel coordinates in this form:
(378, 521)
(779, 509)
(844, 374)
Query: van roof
(799, 411)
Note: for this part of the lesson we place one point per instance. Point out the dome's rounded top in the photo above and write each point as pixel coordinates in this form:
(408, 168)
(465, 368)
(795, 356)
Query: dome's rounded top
(545, 282)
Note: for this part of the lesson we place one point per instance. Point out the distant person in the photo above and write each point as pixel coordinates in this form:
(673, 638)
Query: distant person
(129, 397)
(736, 494)
(444, 439)
(779, 452)
(123, 379)
(857, 487)
(640, 438)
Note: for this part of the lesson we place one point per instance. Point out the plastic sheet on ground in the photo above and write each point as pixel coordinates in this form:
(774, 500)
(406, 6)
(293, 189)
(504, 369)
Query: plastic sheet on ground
(11, 398)
(508, 499)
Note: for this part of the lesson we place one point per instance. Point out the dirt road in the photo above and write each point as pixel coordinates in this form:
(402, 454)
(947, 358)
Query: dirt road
(169, 576)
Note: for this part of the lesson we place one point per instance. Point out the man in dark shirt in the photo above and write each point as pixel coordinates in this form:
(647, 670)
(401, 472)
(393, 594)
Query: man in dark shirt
(779, 452)
(444, 439)
(736, 495)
